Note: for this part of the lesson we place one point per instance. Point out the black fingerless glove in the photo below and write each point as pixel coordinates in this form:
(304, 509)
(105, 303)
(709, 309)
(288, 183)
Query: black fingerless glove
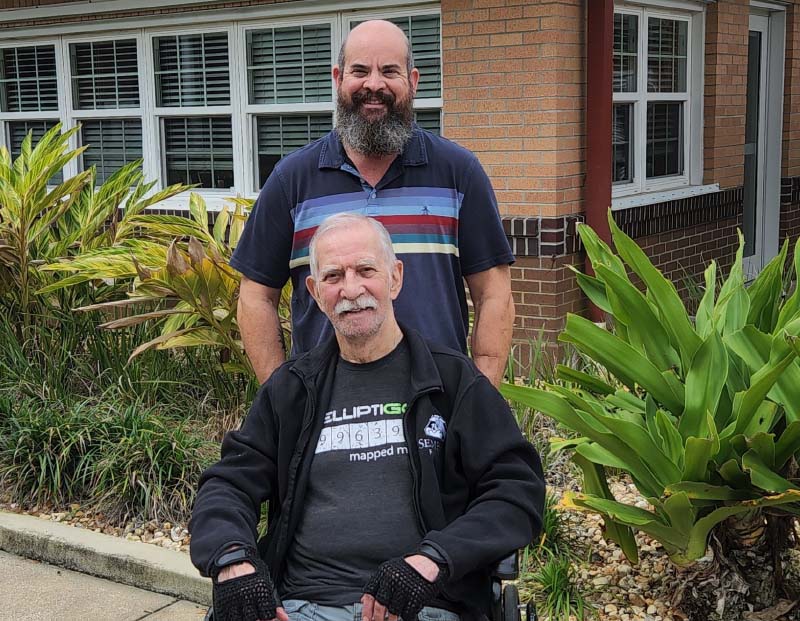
(402, 589)
(246, 598)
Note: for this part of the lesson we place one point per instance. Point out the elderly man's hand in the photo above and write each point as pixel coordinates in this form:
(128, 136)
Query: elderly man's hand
(401, 587)
(244, 592)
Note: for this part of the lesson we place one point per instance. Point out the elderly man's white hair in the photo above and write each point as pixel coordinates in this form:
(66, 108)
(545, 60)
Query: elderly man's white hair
(344, 220)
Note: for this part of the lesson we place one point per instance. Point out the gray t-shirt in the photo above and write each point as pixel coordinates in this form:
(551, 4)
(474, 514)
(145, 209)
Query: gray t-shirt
(358, 509)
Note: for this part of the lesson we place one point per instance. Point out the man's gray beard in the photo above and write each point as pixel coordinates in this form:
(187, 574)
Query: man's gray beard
(387, 135)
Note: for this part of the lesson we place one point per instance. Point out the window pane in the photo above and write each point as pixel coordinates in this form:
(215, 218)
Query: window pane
(621, 143)
(28, 79)
(289, 65)
(199, 150)
(666, 55)
(626, 37)
(278, 135)
(17, 130)
(112, 143)
(105, 74)
(664, 139)
(192, 70)
(430, 120)
(423, 31)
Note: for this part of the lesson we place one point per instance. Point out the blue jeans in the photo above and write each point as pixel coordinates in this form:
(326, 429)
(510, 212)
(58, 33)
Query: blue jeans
(303, 610)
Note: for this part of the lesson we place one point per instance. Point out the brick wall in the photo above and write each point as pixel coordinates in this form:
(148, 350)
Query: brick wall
(513, 88)
(727, 24)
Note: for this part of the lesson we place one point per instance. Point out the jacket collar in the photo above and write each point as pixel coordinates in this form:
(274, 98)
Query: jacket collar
(333, 154)
(424, 372)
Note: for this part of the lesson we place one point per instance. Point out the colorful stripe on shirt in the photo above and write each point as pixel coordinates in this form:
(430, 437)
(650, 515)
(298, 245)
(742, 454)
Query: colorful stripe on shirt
(419, 220)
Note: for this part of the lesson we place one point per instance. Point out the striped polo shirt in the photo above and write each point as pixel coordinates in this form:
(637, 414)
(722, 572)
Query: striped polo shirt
(436, 202)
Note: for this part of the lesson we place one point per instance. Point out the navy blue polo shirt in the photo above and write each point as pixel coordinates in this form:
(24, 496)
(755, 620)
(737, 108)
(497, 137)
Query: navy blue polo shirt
(436, 202)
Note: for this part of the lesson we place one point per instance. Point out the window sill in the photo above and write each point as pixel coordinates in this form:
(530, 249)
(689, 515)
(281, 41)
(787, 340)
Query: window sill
(662, 196)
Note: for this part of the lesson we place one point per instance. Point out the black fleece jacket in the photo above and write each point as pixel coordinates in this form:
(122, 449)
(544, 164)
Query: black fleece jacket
(478, 496)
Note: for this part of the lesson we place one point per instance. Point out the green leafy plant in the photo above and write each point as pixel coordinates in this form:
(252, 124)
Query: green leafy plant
(555, 589)
(180, 280)
(707, 421)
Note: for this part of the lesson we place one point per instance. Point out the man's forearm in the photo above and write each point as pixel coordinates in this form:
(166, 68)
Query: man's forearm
(491, 337)
(261, 336)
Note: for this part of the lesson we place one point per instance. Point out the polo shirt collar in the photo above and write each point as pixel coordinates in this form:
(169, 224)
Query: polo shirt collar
(333, 154)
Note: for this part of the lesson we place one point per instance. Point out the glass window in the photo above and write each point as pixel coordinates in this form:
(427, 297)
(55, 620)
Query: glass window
(622, 142)
(666, 55)
(651, 85)
(664, 139)
(277, 136)
(430, 120)
(626, 56)
(105, 74)
(111, 143)
(17, 130)
(28, 79)
(289, 65)
(192, 70)
(198, 150)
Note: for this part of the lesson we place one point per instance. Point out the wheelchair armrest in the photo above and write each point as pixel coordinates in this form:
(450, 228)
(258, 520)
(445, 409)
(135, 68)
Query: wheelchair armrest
(507, 568)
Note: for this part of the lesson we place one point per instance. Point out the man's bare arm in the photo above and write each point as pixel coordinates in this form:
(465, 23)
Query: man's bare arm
(257, 314)
(494, 320)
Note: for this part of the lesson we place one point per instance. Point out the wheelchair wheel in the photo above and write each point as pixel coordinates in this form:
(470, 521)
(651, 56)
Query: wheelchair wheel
(511, 610)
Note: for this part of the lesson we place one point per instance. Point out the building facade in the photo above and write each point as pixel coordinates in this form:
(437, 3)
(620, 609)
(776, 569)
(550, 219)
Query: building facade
(683, 116)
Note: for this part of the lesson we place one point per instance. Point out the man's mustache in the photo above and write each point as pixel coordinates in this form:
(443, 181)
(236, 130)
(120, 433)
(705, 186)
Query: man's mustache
(364, 95)
(360, 303)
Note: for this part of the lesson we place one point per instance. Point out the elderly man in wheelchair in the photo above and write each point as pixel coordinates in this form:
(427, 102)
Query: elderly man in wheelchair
(396, 475)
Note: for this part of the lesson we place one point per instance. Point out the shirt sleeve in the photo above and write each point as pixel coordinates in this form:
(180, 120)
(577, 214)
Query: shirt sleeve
(265, 246)
(482, 243)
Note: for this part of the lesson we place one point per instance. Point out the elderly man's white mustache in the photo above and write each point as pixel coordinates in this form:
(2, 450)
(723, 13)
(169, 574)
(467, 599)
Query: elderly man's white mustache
(360, 303)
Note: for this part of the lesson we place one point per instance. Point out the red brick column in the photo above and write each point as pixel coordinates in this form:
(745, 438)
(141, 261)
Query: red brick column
(727, 25)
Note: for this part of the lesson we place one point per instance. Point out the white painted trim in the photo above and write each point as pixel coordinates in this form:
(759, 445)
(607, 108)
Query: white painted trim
(769, 5)
(679, 5)
(774, 131)
(291, 10)
(691, 98)
(663, 196)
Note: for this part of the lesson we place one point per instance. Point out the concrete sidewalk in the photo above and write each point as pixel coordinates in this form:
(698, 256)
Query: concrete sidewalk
(36, 591)
(139, 565)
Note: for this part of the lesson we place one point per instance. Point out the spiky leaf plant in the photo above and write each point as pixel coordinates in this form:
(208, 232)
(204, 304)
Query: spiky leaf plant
(707, 423)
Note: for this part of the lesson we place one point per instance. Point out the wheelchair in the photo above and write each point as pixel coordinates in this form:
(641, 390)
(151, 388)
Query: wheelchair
(505, 598)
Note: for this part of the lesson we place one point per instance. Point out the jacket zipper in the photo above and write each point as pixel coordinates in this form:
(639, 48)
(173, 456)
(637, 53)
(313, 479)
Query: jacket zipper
(284, 532)
(413, 456)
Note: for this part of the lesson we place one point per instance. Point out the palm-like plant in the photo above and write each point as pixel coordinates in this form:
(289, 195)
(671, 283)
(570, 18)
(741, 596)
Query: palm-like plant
(707, 423)
(178, 273)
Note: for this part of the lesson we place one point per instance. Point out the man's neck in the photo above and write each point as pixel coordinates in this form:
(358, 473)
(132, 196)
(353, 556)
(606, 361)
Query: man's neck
(372, 349)
(372, 169)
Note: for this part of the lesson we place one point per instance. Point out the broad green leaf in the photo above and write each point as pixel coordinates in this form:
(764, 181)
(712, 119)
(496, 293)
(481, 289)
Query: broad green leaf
(594, 483)
(764, 446)
(698, 453)
(704, 321)
(644, 322)
(733, 474)
(762, 477)
(627, 364)
(597, 250)
(706, 491)
(592, 383)
(792, 305)
(765, 293)
(680, 512)
(747, 403)
(705, 381)
(671, 309)
(787, 445)
(594, 289)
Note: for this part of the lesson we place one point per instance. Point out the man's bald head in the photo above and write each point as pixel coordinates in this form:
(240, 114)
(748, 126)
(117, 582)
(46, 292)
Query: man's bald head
(377, 29)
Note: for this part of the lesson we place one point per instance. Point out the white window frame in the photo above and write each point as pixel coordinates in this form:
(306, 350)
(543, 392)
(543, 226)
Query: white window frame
(58, 115)
(235, 22)
(248, 112)
(692, 101)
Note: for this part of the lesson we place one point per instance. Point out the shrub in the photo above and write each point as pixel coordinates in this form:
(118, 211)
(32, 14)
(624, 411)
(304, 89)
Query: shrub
(707, 421)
